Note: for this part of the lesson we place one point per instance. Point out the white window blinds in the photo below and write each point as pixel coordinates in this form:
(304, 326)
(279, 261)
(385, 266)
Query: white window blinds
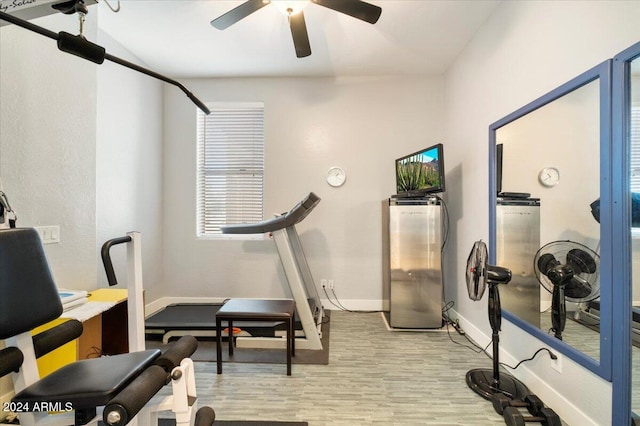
(230, 167)
(635, 148)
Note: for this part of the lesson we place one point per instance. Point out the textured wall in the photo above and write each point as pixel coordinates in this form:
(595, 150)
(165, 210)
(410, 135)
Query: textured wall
(311, 124)
(524, 50)
(48, 143)
(129, 164)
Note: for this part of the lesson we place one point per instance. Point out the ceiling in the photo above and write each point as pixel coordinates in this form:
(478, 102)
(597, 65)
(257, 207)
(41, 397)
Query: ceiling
(411, 37)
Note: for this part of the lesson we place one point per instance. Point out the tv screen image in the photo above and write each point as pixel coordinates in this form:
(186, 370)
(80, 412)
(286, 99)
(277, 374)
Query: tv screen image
(421, 173)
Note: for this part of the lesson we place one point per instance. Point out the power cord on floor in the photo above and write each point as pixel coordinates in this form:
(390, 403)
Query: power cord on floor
(449, 322)
(477, 348)
(339, 305)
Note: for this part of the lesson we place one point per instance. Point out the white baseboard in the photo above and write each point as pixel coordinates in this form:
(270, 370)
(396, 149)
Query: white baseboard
(565, 408)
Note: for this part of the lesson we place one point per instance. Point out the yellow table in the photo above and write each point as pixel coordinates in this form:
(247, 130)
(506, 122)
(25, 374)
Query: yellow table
(105, 332)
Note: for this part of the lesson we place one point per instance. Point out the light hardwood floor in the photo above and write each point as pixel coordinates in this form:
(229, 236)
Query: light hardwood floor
(374, 377)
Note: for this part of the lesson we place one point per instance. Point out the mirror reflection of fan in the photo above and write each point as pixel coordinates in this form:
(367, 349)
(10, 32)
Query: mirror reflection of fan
(486, 382)
(569, 271)
(358, 9)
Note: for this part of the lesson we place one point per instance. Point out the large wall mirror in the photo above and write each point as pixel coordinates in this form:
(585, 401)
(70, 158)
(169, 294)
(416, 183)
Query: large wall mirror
(626, 265)
(549, 174)
(634, 158)
(634, 133)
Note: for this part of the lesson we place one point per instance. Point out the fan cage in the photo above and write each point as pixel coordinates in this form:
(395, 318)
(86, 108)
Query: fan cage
(560, 249)
(476, 273)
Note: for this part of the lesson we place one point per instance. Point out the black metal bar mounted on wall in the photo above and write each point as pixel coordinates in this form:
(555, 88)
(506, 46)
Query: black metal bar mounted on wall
(79, 46)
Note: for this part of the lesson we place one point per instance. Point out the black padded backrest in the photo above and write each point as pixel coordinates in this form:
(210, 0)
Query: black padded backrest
(28, 294)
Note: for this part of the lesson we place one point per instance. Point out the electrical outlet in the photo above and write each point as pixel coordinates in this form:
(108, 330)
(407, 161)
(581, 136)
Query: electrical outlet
(556, 364)
(330, 284)
(323, 282)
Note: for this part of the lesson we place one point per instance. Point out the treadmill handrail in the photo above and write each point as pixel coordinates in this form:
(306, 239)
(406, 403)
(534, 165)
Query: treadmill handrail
(285, 220)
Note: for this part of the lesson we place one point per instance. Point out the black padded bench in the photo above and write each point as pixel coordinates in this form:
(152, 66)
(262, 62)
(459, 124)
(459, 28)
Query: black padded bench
(255, 310)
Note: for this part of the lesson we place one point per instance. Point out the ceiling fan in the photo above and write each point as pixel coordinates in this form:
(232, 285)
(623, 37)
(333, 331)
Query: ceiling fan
(358, 9)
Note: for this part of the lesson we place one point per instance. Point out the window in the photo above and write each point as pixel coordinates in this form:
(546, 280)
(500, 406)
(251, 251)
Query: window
(635, 159)
(230, 168)
(635, 148)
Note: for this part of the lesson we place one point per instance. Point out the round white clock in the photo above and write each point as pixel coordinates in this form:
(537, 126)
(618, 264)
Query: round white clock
(549, 176)
(336, 176)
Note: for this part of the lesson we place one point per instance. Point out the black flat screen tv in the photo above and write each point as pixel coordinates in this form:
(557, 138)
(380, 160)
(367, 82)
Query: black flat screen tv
(420, 173)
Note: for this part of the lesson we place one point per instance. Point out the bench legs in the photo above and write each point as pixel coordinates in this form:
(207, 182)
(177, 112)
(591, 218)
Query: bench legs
(291, 342)
(219, 345)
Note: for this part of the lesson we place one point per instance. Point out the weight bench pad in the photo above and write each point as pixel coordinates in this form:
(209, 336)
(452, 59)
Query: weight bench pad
(248, 309)
(255, 310)
(88, 383)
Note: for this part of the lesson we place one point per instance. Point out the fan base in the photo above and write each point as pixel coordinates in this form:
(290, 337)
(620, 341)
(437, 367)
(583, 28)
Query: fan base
(480, 380)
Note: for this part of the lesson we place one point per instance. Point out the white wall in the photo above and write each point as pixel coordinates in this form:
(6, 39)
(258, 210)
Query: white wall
(360, 124)
(129, 164)
(47, 147)
(80, 147)
(48, 143)
(523, 51)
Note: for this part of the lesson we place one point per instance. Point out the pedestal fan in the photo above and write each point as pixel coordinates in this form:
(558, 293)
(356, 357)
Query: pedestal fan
(569, 271)
(483, 381)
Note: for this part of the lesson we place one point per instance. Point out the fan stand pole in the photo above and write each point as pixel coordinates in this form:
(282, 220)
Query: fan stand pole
(495, 319)
(486, 382)
(558, 310)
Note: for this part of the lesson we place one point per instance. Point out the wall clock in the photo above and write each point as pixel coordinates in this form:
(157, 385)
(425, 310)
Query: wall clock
(336, 176)
(549, 176)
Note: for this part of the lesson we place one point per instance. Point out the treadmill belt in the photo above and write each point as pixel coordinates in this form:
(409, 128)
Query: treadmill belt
(201, 316)
(635, 310)
(181, 316)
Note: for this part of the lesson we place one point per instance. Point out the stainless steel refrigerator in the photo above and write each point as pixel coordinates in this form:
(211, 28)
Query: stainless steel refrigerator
(412, 274)
(517, 241)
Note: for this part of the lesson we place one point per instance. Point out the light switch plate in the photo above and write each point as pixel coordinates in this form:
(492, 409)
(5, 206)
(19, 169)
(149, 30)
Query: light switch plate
(49, 234)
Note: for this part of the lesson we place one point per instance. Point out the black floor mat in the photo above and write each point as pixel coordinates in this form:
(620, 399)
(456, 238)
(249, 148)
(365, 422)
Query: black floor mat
(206, 351)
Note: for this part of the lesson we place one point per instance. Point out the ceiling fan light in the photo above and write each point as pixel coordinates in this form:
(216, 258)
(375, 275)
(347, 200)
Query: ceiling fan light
(290, 7)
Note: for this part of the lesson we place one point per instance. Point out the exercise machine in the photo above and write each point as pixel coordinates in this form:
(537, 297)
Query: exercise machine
(118, 389)
(8, 216)
(308, 307)
(198, 319)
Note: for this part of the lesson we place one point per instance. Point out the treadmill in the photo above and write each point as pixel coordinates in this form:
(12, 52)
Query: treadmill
(199, 319)
(590, 316)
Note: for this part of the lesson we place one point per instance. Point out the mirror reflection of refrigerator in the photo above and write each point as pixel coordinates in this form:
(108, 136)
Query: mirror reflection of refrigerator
(517, 241)
(412, 270)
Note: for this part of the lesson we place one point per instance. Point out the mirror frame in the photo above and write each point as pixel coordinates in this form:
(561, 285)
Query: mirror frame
(622, 296)
(601, 72)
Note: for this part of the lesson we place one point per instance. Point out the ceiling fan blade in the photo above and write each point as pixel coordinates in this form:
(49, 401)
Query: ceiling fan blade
(300, 35)
(358, 9)
(234, 15)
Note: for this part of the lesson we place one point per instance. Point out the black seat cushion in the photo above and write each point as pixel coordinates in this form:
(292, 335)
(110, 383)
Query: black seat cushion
(88, 383)
(28, 294)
